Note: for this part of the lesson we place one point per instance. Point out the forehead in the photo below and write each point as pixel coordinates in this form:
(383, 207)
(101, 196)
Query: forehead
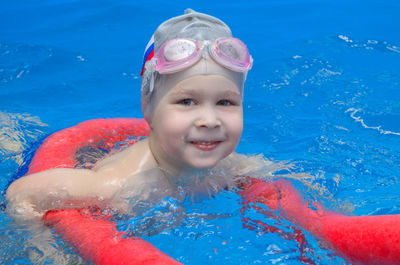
(206, 84)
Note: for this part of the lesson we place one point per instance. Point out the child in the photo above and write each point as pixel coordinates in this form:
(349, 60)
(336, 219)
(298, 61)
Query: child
(192, 92)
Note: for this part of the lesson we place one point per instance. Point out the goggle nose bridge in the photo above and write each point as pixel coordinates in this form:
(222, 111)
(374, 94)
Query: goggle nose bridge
(205, 48)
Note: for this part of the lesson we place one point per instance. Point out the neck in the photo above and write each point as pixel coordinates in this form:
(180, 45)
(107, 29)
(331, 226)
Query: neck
(172, 169)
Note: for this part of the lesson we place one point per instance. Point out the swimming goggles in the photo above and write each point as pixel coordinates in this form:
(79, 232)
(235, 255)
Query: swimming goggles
(178, 54)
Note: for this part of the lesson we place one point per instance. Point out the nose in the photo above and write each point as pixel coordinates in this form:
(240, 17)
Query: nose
(208, 118)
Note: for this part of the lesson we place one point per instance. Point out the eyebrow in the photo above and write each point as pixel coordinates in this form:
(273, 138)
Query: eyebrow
(232, 93)
(182, 90)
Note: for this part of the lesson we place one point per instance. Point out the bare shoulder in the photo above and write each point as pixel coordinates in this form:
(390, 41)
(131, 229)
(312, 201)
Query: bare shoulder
(128, 162)
(133, 173)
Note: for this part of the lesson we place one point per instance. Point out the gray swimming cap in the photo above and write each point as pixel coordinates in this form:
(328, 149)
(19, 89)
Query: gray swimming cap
(191, 25)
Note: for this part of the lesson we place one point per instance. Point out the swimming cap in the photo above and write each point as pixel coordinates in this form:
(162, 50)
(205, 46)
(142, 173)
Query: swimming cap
(191, 25)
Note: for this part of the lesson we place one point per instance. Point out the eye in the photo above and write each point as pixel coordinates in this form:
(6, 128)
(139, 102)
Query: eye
(186, 102)
(225, 102)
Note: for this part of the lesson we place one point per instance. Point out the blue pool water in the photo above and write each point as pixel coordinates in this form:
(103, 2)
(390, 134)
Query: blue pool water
(323, 95)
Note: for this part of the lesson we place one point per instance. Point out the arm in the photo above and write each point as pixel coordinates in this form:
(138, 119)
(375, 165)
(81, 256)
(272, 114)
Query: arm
(33, 194)
(89, 232)
(365, 239)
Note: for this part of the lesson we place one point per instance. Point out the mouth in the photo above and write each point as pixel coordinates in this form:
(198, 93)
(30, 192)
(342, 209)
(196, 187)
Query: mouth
(205, 145)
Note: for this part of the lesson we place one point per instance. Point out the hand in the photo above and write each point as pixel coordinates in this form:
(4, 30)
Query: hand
(23, 209)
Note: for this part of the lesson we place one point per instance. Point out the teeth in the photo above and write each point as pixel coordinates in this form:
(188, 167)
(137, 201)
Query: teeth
(204, 143)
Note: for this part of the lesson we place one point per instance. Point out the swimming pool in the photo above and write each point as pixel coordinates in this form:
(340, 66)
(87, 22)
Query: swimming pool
(323, 94)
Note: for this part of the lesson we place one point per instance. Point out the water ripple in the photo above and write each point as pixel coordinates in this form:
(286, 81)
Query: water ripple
(17, 60)
(357, 118)
(17, 131)
(370, 44)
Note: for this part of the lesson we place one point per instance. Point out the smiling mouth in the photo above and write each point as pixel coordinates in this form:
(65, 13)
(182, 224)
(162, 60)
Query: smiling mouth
(205, 146)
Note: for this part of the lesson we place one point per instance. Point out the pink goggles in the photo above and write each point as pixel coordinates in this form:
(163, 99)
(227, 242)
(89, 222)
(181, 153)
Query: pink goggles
(178, 54)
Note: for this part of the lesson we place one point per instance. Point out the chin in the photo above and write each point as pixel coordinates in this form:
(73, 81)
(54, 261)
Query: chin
(204, 163)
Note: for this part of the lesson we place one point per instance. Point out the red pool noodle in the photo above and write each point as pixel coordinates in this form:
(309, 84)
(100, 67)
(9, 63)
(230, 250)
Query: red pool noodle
(365, 239)
(373, 240)
(94, 237)
(97, 239)
(362, 239)
(58, 150)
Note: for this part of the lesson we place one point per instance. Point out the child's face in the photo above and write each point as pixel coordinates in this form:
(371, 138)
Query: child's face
(197, 122)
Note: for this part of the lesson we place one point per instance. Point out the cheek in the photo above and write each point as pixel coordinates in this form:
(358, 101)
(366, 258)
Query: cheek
(172, 125)
(235, 123)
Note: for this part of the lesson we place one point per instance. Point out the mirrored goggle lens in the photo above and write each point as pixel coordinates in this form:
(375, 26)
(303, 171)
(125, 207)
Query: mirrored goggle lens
(232, 53)
(231, 50)
(178, 50)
